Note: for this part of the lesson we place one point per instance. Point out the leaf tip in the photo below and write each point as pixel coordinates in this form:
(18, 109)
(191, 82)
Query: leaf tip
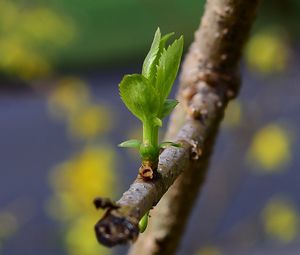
(130, 144)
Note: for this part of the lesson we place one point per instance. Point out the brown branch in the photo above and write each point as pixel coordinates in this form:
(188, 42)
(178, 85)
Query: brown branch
(120, 225)
(209, 79)
(212, 62)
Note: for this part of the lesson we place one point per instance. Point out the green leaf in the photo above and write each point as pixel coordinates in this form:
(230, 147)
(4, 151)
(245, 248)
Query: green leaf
(144, 222)
(168, 107)
(139, 97)
(164, 39)
(157, 122)
(164, 145)
(149, 64)
(168, 67)
(153, 56)
(130, 144)
(162, 45)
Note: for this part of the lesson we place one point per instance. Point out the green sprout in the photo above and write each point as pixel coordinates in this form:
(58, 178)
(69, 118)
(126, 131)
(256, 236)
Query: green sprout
(146, 97)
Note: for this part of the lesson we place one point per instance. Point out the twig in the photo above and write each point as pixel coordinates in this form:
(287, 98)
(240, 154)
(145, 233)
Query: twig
(120, 225)
(209, 79)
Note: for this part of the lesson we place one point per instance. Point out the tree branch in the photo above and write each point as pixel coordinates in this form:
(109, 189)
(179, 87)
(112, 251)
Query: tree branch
(212, 62)
(209, 79)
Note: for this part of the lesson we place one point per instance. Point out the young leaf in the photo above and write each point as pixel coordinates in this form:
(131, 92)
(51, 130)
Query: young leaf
(130, 144)
(149, 64)
(140, 98)
(144, 222)
(164, 145)
(157, 122)
(153, 56)
(162, 45)
(168, 106)
(168, 67)
(163, 41)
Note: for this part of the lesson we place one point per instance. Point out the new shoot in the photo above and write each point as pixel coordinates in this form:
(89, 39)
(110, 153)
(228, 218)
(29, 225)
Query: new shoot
(146, 97)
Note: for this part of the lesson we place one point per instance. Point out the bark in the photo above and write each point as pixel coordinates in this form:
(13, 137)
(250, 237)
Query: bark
(212, 63)
(209, 80)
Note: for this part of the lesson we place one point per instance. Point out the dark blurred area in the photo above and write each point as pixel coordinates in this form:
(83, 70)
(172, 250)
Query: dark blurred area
(61, 120)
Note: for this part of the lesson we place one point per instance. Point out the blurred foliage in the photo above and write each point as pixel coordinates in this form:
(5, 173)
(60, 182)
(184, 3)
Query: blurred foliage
(85, 175)
(267, 52)
(40, 36)
(270, 149)
(113, 32)
(281, 220)
(29, 35)
(120, 30)
(209, 250)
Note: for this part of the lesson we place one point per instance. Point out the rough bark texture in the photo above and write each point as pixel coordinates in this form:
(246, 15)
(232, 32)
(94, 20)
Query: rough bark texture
(211, 66)
(209, 79)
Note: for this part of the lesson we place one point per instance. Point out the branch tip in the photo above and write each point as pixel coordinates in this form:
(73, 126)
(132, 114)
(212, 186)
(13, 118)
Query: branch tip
(114, 229)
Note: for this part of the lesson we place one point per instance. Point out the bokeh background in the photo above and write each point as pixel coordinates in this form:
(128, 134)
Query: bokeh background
(61, 119)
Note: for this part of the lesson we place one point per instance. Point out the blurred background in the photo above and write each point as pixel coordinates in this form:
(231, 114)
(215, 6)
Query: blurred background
(61, 118)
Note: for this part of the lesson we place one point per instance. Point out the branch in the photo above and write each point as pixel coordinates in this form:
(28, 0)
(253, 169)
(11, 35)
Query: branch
(120, 223)
(212, 62)
(209, 79)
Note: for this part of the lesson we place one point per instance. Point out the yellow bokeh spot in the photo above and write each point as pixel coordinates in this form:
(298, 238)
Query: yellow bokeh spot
(83, 230)
(9, 225)
(209, 250)
(267, 52)
(69, 96)
(281, 220)
(89, 122)
(233, 115)
(85, 176)
(270, 149)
